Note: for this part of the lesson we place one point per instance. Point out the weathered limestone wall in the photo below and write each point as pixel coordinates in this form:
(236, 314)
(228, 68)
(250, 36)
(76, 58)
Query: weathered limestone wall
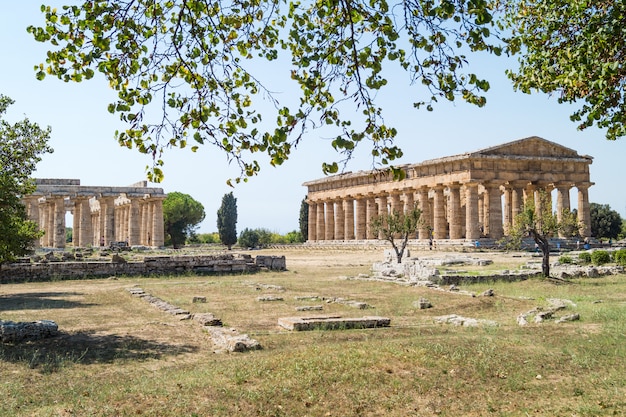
(150, 265)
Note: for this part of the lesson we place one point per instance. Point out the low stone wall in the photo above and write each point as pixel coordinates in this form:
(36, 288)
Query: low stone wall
(149, 265)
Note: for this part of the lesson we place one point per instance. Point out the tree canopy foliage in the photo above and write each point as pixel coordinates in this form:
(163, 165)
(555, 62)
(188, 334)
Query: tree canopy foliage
(395, 227)
(605, 222)
(227, 220)
(575, 49)
(540, 223)
(181, 216)
(21, 147)
(194, 72)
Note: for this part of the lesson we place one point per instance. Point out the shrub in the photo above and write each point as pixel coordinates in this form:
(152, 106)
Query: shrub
(584, 257)
(248, 238)
(565, 259)
(619, 257)
(600, 257)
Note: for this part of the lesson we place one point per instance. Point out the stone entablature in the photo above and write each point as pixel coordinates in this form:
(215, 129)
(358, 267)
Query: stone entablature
(101, 214)
(467, 196)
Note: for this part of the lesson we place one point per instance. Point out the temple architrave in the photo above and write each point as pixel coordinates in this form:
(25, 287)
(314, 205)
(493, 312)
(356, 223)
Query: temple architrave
(100, 214)
(464, 197)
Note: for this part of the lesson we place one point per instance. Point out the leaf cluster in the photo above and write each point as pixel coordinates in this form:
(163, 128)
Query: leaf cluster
(21, 147)
(187, 73)
(576, 50)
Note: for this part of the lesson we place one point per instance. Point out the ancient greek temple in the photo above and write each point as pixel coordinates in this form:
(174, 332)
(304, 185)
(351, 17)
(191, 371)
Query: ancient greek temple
(100, 214)
(464, 197)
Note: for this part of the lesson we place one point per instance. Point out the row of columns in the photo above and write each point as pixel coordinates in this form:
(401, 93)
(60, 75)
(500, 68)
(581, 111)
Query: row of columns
(98, 221)
(451, 211)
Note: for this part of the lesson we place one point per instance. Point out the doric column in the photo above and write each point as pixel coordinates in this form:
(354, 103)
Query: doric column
(59, 222)
(158, 227)
(361, 218)
(396, 203)
(32, 210)
(517, 200)
(349, 218)
(312, 225)
(456, 218)
(439, 214)
(330, 220)
(409, 201)
(562, 203)
(49, 236)
(507, 215)
(383, 209)
(372, 212)
(495, 210)
(320, 230)
(340, 221)
(584, 215)
(107, 219)
(472, 223)
(134, 223)
(82, 221)
(424, 205)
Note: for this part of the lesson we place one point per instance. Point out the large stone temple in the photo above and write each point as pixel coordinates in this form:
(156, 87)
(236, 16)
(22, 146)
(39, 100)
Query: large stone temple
(101, 215)
(462, 197)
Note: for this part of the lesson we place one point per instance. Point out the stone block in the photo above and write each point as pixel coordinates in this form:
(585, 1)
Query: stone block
(332, 323)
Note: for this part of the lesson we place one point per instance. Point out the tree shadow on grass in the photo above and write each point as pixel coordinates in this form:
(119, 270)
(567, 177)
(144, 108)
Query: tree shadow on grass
(39, 301)
(51, 354)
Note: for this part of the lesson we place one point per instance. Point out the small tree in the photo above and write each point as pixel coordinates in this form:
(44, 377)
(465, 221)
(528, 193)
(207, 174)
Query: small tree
(21, 145)
(395, 226)
(181, 215)
(605, 223)
(304, 219)
(227, 220)
(540, 224)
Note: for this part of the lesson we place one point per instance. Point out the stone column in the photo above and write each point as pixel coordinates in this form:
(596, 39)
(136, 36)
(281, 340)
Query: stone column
(507, 214)
(396, 203)
(134, 223)
(584, 215)
(59, 222)
(85, 235)
(340, 220)
(517, 200)
(439, 214)
(320, 229)
(361, 218)
(472, 224)
(349, 218)
(32, 210)
(372, 211)
(383, 210)
(49, 228)
(495, 211)
(330, 220)
(312, 226)
(424, 205)
(409, 201)
(456, 218)
(107, 219)
(158, 231)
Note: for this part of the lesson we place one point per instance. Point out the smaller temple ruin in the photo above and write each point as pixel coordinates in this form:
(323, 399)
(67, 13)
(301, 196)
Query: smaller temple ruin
(102, 215)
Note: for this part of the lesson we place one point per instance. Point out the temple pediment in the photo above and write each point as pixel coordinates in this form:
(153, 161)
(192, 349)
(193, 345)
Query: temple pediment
(533, 146)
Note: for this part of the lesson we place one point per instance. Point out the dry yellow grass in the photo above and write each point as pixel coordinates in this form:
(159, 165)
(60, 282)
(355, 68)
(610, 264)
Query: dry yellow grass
(117, 355)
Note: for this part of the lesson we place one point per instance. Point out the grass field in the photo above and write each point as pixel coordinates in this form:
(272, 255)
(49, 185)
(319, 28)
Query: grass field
(117, 355)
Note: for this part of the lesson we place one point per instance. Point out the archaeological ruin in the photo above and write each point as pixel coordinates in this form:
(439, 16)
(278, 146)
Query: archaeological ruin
(463, 197)
(101, 215)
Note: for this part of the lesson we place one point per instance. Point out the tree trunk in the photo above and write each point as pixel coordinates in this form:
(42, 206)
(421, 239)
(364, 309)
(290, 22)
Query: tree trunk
(544, 245)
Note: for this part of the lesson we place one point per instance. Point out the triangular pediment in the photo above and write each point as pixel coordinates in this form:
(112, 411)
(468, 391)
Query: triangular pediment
(532, 147)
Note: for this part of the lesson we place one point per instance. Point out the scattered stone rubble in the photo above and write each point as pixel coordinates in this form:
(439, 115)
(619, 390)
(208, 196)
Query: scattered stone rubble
(15, 332)
(361, 305)
(540, 314)
(457, 320)
(332, 323)
(227, 339)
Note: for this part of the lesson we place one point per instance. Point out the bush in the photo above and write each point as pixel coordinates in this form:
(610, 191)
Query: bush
(565, 259)
(600, 257)
(248, 238)
(584, 257)
(619, 257)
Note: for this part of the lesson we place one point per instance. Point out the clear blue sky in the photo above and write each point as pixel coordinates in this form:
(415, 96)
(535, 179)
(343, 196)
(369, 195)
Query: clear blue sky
(82, 135)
